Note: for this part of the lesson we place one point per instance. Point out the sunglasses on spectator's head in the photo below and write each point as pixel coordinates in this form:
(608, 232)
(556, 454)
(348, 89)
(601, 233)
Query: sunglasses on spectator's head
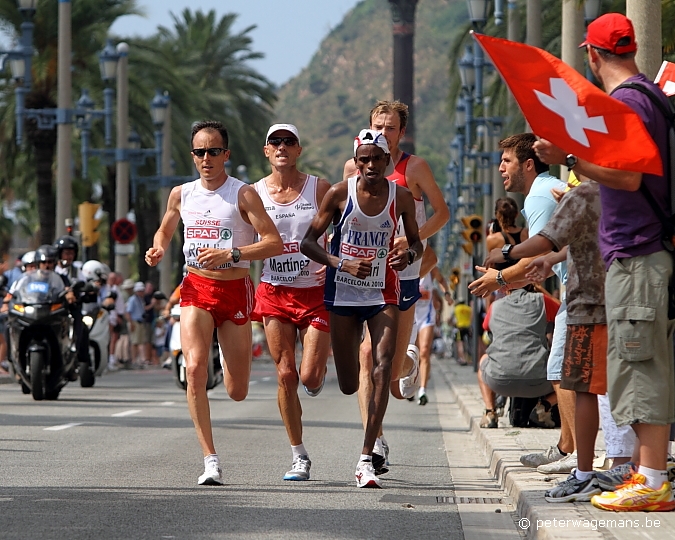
(213, 152)
(288, 141)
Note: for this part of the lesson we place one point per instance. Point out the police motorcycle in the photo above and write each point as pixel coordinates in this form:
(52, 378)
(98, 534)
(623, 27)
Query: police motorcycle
(41, 344)
(178, 364)
(95, 317)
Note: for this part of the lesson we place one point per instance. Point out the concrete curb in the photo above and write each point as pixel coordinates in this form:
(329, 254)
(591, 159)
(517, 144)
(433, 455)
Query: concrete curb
(503, 448)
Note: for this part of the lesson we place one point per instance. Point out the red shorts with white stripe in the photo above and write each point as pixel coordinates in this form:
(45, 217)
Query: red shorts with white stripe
(232, 300)
(302, 307)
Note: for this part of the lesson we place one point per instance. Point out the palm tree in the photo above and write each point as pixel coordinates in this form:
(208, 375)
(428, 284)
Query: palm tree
(205, 68)
(92, 19)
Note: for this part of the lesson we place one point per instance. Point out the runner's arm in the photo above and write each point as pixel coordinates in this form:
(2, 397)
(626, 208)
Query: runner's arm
(166, 229)
(398, 257)
(420, 174)
(328, 210)
(253, 211)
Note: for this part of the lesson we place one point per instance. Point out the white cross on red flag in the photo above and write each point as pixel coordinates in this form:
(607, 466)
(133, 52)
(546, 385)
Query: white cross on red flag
(563, 107)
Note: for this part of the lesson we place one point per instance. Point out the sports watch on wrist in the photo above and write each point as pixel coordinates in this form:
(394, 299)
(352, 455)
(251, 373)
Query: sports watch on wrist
(236, 255)
(571, 161)
(500, 279)
(506, 252)
(411, 256)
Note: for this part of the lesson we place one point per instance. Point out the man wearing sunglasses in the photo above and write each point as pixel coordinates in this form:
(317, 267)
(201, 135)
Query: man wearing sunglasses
(221, 216)
(413, 173)
(289, 298)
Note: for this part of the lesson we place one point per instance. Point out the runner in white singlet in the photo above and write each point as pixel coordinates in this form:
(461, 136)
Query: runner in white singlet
(289, 299)
(413, 173)
(221, 216)
(362, 280)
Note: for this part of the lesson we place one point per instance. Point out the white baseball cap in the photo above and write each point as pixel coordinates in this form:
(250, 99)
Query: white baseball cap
(283, 127)
(139, 286)
(370, 136)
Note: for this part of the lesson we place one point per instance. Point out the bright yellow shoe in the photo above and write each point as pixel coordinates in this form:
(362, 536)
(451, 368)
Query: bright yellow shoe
(635, 496)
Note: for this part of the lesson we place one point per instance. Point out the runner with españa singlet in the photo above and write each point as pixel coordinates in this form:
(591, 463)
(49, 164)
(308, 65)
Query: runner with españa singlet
(289, 298)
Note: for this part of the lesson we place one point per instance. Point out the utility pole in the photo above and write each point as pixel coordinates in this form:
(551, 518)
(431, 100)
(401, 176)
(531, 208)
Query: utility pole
(165, 266)
(403, 29)
(533, 30)
(64, 127)
(122, 158)
(646, 18)
(572, 35)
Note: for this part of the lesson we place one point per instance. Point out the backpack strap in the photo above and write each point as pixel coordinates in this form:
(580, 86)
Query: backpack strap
(669, 114)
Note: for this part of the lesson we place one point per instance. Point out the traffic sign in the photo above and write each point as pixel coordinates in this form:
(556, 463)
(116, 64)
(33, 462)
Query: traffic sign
(123, 231)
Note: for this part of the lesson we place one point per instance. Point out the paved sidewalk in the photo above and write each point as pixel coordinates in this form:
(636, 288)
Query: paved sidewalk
(540, 519)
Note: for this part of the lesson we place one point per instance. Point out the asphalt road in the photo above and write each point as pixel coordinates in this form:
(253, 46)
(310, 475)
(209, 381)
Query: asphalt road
(121, 460)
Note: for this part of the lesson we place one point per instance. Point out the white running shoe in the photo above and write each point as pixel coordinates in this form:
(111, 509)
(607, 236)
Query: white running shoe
(365, 476)
(562, 466)
(213, 475)
(409, 384)
(299, 469)
(542, 458)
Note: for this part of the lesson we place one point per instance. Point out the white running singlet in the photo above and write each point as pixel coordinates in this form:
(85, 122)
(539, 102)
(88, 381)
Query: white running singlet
(212, 219)
(292, 268)
(359, 236)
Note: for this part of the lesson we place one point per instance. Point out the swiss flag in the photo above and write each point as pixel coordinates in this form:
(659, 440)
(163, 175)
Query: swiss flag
(563, 107)
(666, 78)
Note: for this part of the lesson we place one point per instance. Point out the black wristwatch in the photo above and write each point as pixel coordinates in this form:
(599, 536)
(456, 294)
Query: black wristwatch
(411, 256)
(506, 252)
(236, 255)
(571, 161)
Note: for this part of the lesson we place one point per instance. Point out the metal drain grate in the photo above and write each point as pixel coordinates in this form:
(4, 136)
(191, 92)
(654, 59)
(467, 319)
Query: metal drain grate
(469, 500)
(429, 500)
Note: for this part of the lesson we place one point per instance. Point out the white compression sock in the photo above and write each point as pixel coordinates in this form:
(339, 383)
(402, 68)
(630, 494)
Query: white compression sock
(655, 478)
(365, 457)
(299, 450)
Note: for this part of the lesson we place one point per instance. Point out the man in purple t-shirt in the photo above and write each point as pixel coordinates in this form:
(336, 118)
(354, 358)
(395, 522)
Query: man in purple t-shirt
(640, 368)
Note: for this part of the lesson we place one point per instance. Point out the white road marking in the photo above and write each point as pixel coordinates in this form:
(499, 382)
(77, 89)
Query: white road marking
(168, 403)
(63, 426)
(253, 382)
(127, 413)
(265, 379)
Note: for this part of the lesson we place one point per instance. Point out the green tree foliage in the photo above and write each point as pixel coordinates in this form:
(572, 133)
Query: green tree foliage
(31, 167)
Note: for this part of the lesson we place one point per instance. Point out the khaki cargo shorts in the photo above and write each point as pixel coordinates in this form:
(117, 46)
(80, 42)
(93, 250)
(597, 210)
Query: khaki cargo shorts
(640, 369)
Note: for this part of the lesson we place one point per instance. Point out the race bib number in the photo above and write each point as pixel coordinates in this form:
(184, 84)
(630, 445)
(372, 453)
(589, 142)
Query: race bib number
(200, 237)
(288, 266)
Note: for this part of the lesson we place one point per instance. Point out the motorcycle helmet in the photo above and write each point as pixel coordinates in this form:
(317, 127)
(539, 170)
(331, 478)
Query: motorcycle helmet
(66, 242)
(46, 253)
(28, 258)
(95, 271)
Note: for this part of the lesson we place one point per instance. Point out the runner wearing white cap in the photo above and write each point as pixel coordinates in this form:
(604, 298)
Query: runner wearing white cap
(289, 298)
(414, 173)
(362, 283)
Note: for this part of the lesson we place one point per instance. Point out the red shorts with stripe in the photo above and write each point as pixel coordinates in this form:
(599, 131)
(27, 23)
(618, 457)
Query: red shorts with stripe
(302, 307)
(232, 300)
(585, 361)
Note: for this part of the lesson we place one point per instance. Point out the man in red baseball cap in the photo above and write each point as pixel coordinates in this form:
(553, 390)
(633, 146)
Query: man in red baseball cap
(611, 32)
(640, 371)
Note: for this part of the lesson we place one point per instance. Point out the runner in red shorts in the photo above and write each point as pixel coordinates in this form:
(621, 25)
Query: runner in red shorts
(289, 299)
(220, 216)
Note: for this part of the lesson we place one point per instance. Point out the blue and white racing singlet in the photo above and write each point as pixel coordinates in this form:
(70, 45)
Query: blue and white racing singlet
(359, 236)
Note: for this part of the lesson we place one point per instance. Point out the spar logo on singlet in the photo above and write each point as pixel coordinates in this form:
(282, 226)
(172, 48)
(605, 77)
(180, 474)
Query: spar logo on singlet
(208, 233)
